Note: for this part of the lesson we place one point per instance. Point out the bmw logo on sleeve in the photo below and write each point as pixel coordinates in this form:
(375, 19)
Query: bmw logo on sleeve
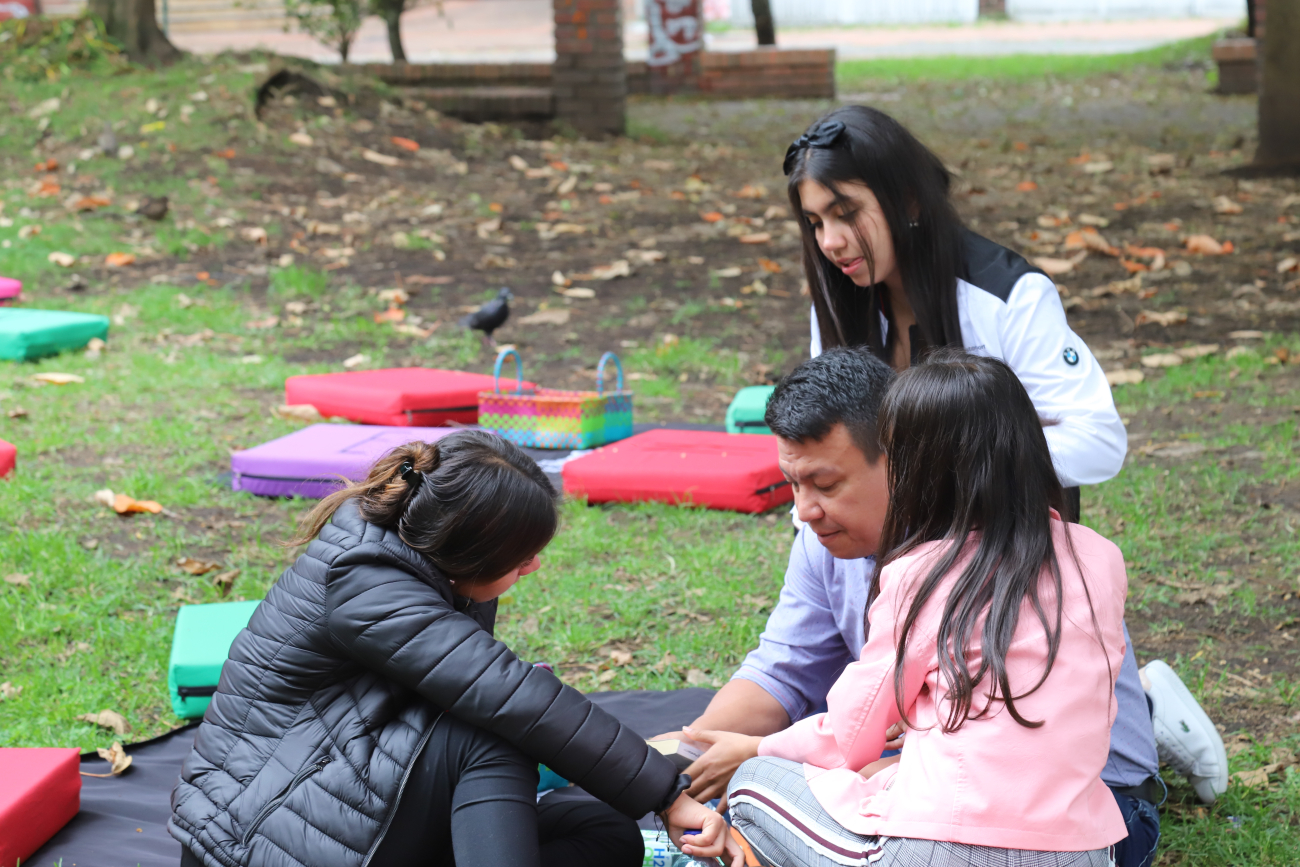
(1071, 357)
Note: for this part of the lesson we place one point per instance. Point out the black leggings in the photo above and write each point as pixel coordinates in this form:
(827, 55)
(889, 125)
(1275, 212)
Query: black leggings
(471, 801)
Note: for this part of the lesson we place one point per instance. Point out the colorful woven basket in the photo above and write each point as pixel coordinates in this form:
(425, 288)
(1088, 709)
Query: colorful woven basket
(551, 418)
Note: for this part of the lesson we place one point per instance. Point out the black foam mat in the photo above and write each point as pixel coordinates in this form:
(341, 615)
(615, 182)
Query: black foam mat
(123, 820)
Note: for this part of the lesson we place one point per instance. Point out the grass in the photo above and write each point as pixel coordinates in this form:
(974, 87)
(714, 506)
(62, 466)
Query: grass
(684, 592)
(854, 74)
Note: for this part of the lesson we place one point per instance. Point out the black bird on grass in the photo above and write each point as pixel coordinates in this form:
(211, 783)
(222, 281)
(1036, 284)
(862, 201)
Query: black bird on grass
(153, 208)
(491, 315)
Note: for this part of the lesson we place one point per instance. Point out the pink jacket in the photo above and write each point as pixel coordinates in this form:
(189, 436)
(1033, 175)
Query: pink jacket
(993, 782)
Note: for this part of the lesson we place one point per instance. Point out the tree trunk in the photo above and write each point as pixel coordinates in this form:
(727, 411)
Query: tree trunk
(134, 24)
(391, 11)
(1279, 89)
(1250, 18)
(764, 26)
(394, 22)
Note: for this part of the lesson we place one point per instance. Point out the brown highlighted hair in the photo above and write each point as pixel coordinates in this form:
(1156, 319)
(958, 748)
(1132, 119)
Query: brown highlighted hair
(479, 507)
(967, 455)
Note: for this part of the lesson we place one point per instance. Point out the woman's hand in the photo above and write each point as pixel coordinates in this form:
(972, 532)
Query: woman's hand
(711, 772)
(712, 840)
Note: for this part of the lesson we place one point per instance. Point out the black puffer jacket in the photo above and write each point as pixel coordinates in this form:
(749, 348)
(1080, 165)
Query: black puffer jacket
(333, 689)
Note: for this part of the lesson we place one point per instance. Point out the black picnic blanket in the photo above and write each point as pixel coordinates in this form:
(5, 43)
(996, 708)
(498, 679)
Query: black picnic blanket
(123, 820)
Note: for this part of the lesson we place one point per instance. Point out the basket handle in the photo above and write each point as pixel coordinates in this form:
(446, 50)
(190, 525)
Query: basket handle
(600, 372)
(519, 371)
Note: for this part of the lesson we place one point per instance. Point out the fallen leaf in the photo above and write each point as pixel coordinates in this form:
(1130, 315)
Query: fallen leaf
(1093, 220)
(18, 579)
(518, 163)
(117, 759)
(63, 260)
(267, 322)
(618, 268)
(711, 216)
(751, 191)
(225, 581)
(756, 238)
(645, 257)
(379, 159)
(302, 138)
(769, 266)
(303, 412)
(606, 676)
(197, 567)
(1125, 377)
(1225, 205)
(58, 378)
(1246, 335)
(619, 657)
(1161, 164)
(1162, 359)
(695, 677)
(106, 719)
(730, 271)
(1207, 246)
(405, 144)
(558, 316)
(758, 287)
(119, 260)
(485, 229)
(1290, 263)
(254, 234)
(227, 154)
(355, 360)
(1165, 318)
(392, 314)
(1198, 351)
(124, 505)
(1259, 776)
(105, 497)
(1056, 267)
(578, 292)
(1026, 186)
(90, 203)
(1098, 167)
(1134, 267)
(8, 690)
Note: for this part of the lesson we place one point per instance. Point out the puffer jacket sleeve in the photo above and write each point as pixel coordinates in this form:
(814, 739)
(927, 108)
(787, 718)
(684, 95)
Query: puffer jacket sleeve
(404, 629)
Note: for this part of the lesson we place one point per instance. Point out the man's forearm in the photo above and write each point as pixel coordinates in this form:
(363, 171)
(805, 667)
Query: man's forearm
(744, 707)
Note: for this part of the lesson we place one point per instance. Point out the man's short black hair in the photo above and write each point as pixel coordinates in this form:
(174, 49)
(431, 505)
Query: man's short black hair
(842, 385)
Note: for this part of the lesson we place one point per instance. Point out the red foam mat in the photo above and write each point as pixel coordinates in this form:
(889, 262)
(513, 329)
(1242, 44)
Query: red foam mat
(40, 793)
(8, 458)
(399, 396)
(738, 472)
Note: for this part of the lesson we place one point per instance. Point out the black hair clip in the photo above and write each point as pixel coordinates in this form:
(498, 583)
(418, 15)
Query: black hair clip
(411, 475)
(823, 135)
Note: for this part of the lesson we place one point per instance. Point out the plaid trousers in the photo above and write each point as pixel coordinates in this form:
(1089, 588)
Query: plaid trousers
(784, 824)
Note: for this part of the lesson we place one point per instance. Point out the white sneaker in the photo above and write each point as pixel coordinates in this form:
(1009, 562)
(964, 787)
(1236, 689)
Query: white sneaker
(1185, 738)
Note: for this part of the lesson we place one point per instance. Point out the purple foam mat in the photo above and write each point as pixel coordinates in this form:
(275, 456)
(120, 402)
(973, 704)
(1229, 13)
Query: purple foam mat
(123, 820)
(309, 462)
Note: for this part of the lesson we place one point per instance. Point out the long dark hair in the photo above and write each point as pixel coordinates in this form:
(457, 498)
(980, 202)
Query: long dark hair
(482, 508)
(967, 455)
(912, 186)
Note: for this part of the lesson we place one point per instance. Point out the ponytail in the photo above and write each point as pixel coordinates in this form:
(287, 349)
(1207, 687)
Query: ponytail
(475, 504)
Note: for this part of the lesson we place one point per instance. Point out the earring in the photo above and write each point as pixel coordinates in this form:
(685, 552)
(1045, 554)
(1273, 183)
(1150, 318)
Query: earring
(913, 224)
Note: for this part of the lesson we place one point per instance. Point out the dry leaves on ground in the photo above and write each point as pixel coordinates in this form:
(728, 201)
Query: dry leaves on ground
(303, 412)
(197, 567)
(117, 759)
(18, 579)
(58, 378)
(1207, 246)
(124, 505)
(109, 719)
(8, 691)
(1156, 317)
(63, 260)
(225, 581)
(119, 260)
(1125, 377)
(558, 316)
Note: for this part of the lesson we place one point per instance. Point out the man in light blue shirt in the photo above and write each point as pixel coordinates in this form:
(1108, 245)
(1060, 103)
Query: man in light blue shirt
(824, 415)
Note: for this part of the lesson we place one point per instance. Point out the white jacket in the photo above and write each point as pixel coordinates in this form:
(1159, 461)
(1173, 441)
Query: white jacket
(1016, 315)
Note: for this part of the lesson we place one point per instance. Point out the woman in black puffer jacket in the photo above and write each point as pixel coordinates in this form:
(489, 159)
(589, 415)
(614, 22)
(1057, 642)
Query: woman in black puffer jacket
(367, 715)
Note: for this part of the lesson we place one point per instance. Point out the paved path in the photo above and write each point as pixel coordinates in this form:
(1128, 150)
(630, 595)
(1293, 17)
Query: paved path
(501, 30)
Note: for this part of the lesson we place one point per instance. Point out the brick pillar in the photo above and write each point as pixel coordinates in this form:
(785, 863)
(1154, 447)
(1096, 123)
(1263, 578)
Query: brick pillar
(590, 78)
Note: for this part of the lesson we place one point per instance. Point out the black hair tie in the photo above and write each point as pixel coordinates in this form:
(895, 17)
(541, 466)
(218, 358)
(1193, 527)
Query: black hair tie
(822, 135)
(411, 475)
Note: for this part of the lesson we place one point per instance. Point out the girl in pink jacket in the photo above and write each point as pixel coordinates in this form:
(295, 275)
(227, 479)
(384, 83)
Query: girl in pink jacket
(994, 635)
